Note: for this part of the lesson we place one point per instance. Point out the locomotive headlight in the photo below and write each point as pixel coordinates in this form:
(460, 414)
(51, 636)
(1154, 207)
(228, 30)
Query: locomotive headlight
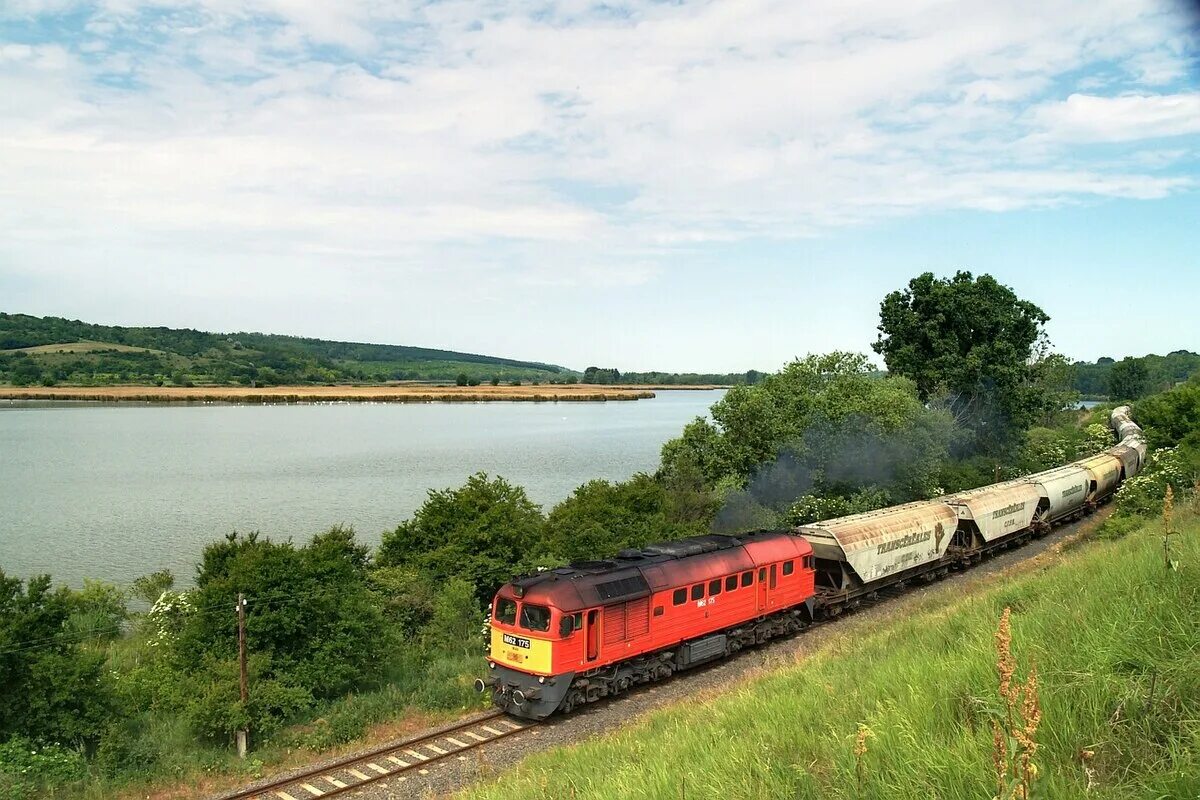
(542, 679)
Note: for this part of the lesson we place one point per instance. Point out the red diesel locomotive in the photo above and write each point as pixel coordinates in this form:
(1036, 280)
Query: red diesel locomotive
(572, 635)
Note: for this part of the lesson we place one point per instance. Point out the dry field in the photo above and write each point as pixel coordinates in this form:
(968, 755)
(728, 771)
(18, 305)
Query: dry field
(319, 394)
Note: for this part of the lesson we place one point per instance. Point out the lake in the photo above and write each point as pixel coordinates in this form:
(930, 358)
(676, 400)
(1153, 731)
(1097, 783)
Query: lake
(114, 491)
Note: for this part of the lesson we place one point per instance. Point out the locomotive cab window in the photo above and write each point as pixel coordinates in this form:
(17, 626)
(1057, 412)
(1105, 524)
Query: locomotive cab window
(658, 611)
(808, 562)
(535, 618)
(578, 621)
(788, 566)
(679, 598)
(506, 611)
(731, 583)
(698, 591)
(747, 578)
(714, 587)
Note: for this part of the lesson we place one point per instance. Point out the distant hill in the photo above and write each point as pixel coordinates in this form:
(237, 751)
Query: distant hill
(55, 350)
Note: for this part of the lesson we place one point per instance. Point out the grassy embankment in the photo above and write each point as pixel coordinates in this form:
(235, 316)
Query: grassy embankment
(1116, 641)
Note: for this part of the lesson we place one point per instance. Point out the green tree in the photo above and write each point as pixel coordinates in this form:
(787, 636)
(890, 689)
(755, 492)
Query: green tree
(972, 341)
(53, 690)
(462, 379)
(310, 610)
(1128, 379)
(482, 532)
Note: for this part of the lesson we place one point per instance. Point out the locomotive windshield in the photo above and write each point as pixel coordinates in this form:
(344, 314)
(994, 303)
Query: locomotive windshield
(535, 618)
(506, 611)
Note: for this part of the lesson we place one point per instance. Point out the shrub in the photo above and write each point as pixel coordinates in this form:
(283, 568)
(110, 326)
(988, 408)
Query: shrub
(29, 769)
(480, 532)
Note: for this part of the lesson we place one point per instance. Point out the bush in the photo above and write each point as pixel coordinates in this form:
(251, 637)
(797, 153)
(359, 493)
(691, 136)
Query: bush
(600, 518)
(456, 622)
(310, 609)
(462, 379)
(53, 690)
(29, 769)
(481, 532)
(99, 612)
(216, 710)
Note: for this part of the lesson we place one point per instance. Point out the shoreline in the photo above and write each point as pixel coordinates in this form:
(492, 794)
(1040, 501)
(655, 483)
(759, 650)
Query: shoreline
(324, 394)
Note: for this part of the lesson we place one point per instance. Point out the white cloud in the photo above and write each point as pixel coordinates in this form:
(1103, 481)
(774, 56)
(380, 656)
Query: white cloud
(466, 135)
(1090, 118)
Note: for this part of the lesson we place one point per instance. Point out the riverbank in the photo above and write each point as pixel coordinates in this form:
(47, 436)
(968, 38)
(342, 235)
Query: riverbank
(398, 393)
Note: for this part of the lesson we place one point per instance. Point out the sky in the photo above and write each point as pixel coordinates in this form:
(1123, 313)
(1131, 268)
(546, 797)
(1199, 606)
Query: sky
(681, 186)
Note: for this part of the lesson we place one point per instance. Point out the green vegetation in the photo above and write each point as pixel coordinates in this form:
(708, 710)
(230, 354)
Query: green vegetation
(976, 348)
(608, 376)
(1133, 378)
(905, 708)
(51, 350)
(340, 638)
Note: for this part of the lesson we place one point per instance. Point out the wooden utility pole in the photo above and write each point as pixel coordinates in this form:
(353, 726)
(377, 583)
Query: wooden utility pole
(242, 735)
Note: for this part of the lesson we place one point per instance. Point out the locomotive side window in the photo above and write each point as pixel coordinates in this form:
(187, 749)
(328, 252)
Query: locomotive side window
(788, 567)
(714, 587)
(762, 574)
(772, 576)
(658, 611)
(698, 591)
(578, 621)
(535, 618)
(808, 562)
(679, 598)
(747, 578)
(506, 611)
(731, 583)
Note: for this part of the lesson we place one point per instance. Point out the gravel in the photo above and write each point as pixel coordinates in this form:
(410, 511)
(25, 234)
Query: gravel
(449, 776)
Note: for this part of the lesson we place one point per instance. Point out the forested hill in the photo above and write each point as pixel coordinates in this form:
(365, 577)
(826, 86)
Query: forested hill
(56, 350)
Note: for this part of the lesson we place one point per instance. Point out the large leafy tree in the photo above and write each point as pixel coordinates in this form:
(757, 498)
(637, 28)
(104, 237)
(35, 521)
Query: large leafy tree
(973, 343)
(481, 532)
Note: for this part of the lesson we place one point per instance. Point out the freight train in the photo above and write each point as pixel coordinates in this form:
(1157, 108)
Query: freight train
(570, 636)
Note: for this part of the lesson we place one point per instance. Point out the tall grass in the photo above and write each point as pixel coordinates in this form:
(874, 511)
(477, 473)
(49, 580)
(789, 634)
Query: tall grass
(904, 707)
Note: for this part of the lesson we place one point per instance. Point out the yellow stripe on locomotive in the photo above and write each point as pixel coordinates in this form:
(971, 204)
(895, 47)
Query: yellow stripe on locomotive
(521, 652)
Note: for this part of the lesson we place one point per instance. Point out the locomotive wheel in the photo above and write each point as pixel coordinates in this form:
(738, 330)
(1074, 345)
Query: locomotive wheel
(573, 700)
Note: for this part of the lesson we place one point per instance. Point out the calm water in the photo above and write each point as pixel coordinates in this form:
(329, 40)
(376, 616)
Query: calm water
(114, 491)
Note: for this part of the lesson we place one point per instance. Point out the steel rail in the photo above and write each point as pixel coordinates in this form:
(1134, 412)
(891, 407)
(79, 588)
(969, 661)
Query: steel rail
(343, 775)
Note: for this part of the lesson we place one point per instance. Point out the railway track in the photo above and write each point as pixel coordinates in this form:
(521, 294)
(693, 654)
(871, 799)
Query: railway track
(396, 761)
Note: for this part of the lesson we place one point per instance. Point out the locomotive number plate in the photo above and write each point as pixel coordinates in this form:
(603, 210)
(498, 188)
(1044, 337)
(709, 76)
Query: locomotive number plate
(516, 641)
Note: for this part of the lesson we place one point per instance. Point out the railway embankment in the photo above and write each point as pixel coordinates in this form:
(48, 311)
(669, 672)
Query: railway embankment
(900, 701)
